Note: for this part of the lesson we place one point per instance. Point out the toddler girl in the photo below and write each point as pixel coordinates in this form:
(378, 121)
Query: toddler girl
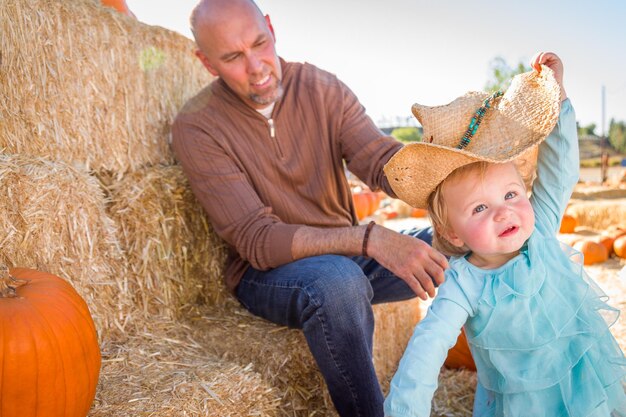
(537, 326)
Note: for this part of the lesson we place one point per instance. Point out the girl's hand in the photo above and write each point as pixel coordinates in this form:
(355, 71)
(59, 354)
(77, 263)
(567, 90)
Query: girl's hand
(552, 61)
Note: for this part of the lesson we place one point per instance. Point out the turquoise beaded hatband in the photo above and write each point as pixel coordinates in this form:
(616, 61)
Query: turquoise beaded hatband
(502, 128)
(478, 117)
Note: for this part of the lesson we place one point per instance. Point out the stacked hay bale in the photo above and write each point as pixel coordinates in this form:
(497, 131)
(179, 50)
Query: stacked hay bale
(171, 249)
(53, 218)
(599, 207)
(91, 192)
(95, 90)
(86, 85)
(180, 378)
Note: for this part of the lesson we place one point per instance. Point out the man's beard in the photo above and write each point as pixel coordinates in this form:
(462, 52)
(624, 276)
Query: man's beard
(267, 100)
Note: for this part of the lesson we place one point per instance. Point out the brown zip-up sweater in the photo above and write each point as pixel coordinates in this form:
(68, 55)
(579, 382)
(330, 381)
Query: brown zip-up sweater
(259, 180)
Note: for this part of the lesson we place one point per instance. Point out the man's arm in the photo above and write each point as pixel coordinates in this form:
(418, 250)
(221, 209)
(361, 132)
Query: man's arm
(411, 259)
(232, 204)
(366, 150)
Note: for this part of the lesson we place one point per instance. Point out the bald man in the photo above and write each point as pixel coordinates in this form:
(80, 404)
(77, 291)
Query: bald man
(264, 148)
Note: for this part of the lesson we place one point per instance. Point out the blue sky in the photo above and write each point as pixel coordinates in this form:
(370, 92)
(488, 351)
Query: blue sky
(398, 52)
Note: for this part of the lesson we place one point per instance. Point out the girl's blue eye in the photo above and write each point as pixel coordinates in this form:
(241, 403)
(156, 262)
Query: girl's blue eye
(479, 208)
(510, 195)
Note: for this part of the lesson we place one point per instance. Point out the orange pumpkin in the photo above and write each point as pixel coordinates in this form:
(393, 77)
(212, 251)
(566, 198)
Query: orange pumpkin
(616, 230)
(390, 214)
(606, 241)
(568, 224)
(593, 252)
(379, 197)
(366, 203)
(460, 356)
(119, 5)
(619, 246)
(49, 353)
(419, 212)
(607, 237)
(362, 204)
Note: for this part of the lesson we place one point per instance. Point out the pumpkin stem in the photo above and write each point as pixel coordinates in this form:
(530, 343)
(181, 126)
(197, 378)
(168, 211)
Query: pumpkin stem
(8, 284)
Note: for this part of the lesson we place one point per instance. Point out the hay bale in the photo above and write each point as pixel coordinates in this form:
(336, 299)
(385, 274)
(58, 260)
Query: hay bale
(166, 372)
(52, 218)
(281, 356)
(394, 326)
(455, 395)
(85, 84)
(597, 192)
(174, 258)
(598, 214)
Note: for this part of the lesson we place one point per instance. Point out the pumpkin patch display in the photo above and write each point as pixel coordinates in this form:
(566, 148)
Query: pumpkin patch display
(49, 353)
(593, 252)
(610, 235)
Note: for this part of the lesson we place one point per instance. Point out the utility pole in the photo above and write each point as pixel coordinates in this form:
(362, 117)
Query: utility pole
(604, 158)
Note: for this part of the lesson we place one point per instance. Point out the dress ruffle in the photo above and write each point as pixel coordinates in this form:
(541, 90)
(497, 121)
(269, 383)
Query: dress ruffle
(541, 338)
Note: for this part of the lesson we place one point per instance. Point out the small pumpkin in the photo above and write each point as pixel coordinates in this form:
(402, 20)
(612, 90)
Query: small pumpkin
(606, 241)
(51, 357)
(460, 356)
(619, 246)
(366, 203)
(362, 204)
(119, 5)
(593, 252)
(419, 212)
(607, 237)
(390, 214)
(568, 224)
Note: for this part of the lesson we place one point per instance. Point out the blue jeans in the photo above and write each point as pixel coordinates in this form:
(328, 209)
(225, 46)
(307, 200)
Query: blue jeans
(330, 298)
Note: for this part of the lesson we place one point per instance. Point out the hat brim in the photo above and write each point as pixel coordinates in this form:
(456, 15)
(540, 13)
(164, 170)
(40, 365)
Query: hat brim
(523, 118)
(418, 168)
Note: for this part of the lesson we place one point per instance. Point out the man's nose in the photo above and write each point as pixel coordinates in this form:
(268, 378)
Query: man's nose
(254, 64)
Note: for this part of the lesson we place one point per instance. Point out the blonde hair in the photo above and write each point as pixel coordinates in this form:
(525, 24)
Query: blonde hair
(437, 210)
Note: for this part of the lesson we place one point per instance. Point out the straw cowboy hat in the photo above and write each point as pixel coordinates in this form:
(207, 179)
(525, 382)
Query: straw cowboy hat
(475, 127)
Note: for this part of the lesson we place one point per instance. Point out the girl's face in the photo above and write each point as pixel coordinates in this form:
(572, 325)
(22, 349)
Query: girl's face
(489, 213)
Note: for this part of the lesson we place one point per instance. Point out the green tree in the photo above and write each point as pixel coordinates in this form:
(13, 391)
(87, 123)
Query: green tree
(502, 73)
(617, 135)
(407, 134)
(590, 129)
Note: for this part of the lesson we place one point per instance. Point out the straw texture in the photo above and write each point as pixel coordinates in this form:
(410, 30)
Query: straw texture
(599, 214)
(174, 258)
(168, 371)
(53, 218)
(87, 85)
(280, 355)
(513, 126)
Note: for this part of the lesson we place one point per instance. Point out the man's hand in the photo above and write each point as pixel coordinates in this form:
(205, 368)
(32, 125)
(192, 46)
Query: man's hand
(411, 259)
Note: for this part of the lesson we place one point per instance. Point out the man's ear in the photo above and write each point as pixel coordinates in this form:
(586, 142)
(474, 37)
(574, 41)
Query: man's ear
(269, 25)
(206, 63)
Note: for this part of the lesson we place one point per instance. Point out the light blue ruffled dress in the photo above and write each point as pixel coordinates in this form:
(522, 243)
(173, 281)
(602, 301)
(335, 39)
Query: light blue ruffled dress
(538, 326)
